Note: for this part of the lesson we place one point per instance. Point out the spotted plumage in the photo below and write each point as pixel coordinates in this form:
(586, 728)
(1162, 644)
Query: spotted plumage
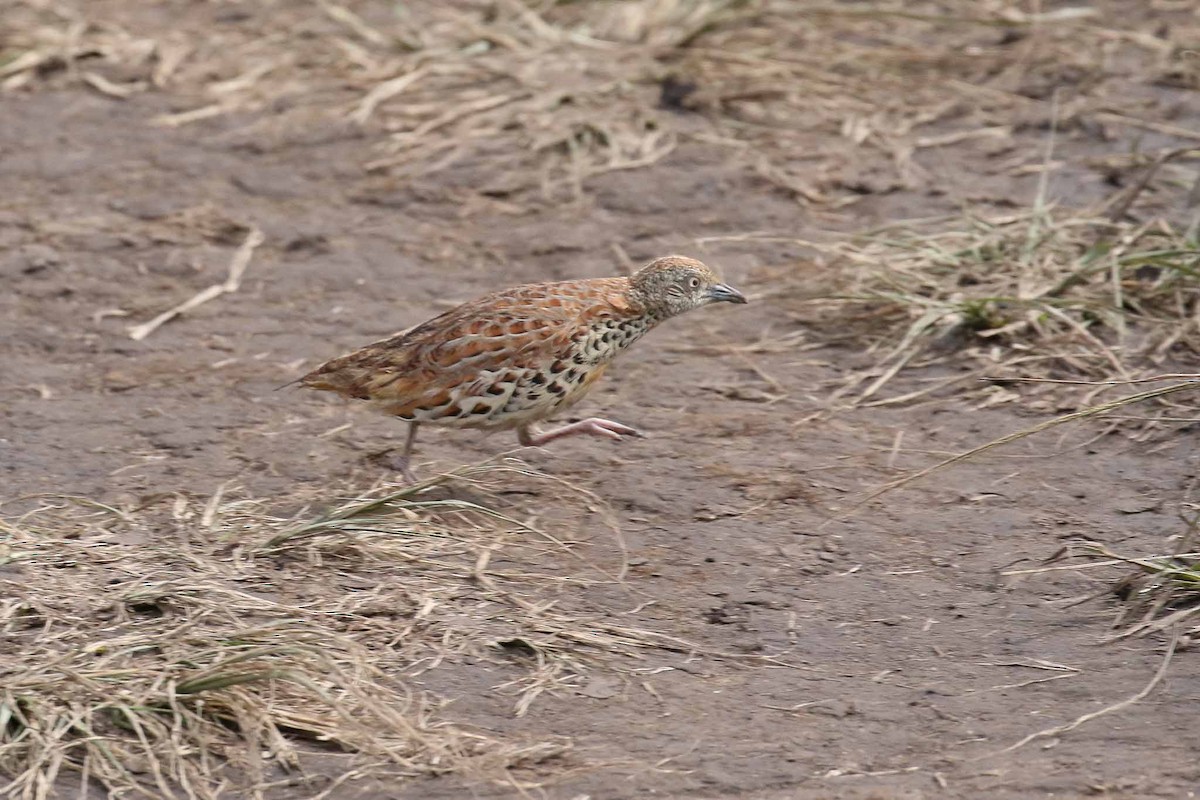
(515, 357)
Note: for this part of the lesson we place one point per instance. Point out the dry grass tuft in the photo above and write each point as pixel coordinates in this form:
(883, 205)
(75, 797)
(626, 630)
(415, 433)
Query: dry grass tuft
(1049, 295)
(1160, 595)
(823, 102)
(174, 646)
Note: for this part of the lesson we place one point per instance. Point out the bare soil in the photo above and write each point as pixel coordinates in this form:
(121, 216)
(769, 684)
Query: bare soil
(883, 655)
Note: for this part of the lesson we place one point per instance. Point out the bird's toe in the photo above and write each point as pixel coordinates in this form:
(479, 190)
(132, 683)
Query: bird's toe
(615, 430)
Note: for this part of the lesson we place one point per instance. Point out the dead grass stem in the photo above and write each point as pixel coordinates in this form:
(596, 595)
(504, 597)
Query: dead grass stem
(1094, 300)
(548, 96)
(162, 649)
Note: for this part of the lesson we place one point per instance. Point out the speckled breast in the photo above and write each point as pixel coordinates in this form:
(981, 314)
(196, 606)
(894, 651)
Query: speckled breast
(564, 381)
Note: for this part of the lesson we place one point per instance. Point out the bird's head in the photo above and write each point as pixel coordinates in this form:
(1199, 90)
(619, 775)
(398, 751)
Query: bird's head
(674, 284)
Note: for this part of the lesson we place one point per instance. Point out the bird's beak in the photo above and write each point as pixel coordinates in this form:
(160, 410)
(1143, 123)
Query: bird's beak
(724, 293)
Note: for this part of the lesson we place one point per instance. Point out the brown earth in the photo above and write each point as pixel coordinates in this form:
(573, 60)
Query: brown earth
(880, 656)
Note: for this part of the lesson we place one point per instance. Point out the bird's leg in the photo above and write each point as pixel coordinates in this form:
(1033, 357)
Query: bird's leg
(406, 459)
(403, 462)
(593, 426)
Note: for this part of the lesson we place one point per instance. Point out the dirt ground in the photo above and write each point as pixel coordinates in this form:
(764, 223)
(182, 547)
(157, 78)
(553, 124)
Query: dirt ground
(883, 655)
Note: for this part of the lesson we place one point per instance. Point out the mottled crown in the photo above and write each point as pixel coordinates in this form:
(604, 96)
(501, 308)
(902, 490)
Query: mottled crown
(670, 265)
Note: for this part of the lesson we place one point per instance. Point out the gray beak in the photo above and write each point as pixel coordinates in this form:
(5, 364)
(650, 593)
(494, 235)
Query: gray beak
(724, 293)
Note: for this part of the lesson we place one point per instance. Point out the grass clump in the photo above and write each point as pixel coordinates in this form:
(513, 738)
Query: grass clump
(1160, 594)
(185, 646)
(1046, 294)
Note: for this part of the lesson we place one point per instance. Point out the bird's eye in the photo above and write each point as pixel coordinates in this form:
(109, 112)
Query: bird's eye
(693, 282)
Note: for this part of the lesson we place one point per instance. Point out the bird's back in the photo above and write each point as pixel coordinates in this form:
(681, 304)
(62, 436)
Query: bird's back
(505, 359)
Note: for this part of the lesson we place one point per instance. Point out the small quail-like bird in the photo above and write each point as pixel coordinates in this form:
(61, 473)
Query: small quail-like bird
(516, 357)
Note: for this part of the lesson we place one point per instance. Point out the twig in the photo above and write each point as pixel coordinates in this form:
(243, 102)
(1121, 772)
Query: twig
(1091, 715)
(382, 93)
(237, 268)
(1166, 376)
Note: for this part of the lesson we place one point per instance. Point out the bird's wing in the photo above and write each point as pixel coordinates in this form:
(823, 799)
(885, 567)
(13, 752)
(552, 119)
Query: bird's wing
(512, 332)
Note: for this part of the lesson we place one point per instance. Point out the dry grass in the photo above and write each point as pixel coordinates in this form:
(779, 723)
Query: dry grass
(1161, 597)
(1161, 594)
(516, 103)
(1044, 294)
(179, 646)
(818, 100)
(170, 648)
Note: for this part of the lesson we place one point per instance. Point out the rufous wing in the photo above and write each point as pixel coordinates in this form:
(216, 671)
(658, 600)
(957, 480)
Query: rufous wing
(503, 336)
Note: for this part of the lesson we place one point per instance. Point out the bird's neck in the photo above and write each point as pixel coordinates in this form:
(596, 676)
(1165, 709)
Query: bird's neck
(611, 333)
(640, 306)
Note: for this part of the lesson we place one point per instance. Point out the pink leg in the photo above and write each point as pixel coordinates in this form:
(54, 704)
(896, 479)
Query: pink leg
(593, 426)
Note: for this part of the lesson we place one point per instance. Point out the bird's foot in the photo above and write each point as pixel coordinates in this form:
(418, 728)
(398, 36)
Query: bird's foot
(407, 476)
(593, 426)
(397, 462)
